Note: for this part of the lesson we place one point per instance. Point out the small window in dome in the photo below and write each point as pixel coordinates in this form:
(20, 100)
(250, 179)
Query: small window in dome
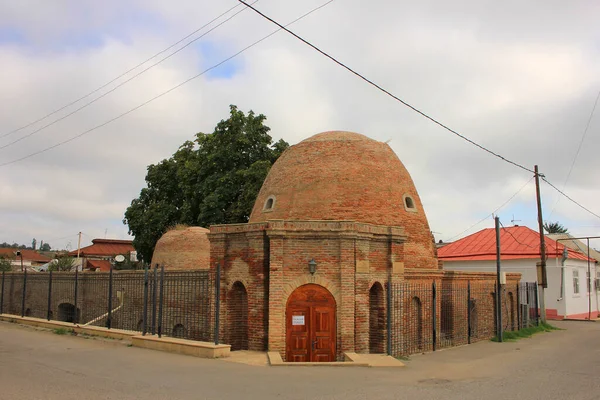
(409, 203)
(269, 204)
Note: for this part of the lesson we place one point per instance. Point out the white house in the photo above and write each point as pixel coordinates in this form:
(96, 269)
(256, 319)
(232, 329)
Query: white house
(573, 278)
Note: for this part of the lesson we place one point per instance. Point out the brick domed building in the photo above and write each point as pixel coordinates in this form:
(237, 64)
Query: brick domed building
(337, 217)
(183, 247)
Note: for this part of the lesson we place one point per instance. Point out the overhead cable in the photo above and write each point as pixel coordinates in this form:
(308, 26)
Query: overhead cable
(387, 91)
(120, 76)
(158, 96)
(120, 84)
(493, 212)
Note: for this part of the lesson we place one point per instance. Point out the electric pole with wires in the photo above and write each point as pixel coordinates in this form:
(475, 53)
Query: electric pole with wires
(542, 277)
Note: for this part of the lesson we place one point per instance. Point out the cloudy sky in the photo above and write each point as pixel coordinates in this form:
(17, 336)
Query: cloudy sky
(520, 78)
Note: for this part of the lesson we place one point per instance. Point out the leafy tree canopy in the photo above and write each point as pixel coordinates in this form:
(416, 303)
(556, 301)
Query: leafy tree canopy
(64, 263)
(554, 227)
(212, 180)
(5, 264)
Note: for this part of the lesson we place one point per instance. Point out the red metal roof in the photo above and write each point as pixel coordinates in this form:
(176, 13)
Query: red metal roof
(105, 247)
(516, 242)
(28, 255)
(102, 265)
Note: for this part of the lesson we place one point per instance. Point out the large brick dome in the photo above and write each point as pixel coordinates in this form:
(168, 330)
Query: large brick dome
(183, 248)
(346, 176)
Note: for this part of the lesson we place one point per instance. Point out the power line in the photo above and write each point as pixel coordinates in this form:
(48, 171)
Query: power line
(495, 211)
(585, 131)
(120, 84)
(160, 95)
(120, 76)
(513, 236)
(386, 91)
(568, 197)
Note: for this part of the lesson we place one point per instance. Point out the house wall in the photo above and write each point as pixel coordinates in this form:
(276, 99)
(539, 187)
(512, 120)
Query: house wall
(578, 304)
(569, 305)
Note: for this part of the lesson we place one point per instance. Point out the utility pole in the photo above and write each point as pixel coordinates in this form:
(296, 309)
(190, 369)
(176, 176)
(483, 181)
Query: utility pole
(498, 283)
(543, 282)
(78, 251)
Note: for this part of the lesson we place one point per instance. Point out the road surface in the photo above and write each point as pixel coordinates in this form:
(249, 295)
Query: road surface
(38, 364)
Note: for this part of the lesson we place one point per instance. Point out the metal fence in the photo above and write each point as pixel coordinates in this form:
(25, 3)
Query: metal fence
(171, 303)
(423, 316)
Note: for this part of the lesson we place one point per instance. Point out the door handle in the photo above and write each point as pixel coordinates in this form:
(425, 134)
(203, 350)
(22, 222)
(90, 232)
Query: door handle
(314, 343)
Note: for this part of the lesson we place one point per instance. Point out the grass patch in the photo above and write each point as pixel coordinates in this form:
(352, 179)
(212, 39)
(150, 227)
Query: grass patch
(61, 331)
(512, 336)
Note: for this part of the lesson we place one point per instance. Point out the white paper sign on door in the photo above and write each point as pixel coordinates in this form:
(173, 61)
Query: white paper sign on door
(297, 319)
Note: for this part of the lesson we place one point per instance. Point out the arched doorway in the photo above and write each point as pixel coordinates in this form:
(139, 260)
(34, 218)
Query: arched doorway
(416, 320)
(178, 331)
(376, 319)
(310, 325)
(66, 312)
(237, 311)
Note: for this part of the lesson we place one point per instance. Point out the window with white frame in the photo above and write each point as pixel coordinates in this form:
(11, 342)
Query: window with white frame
(575, 281)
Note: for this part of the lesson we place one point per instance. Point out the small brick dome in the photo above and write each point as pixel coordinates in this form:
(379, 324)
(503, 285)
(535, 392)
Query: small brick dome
(183, 248)
(346, 176)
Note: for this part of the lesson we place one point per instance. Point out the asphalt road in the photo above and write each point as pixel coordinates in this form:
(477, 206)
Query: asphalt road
(42, 365)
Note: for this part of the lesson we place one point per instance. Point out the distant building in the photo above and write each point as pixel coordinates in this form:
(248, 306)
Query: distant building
(573, 291)
(101, 254)
(31, 258)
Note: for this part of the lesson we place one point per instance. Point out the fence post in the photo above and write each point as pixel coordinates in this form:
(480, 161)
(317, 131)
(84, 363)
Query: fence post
(217, 302)
(434, 317)
(389, 317)
(537, 305)
(155, 279)
(110, 290)
(48, 311)
(76, 317)
(518, 306)
(24, 292)
(145, 315)
(499, 311)
(160, 299)
(468, 312)
(2, 294)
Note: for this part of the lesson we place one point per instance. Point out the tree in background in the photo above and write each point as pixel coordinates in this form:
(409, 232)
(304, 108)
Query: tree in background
(5, 264)
(64, 263)
(45, 247)
(554, 227)
(33, 244)
(213, 180)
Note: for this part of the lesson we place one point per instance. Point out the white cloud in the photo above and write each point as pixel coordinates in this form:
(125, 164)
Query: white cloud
(518, 78)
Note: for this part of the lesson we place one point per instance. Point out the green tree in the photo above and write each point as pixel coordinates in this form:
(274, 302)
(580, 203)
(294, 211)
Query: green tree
(33, 244)
(555, 227)
(211, 180)
(45, 247)
(5, 264)
(64, 263)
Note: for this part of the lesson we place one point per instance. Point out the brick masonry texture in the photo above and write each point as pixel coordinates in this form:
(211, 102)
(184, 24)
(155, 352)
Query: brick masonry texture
(183, 248)
(347, 176)
(339, 198)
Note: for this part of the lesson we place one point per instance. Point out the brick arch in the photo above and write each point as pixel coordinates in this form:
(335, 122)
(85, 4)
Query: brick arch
(229, 284)
(376, 318)
(237, 315)
(289, 288)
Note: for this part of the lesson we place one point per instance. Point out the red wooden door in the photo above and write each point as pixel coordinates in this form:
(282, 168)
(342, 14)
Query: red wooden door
(310, 325)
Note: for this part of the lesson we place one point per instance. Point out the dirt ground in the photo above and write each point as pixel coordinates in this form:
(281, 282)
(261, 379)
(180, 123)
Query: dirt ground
(37, 364)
